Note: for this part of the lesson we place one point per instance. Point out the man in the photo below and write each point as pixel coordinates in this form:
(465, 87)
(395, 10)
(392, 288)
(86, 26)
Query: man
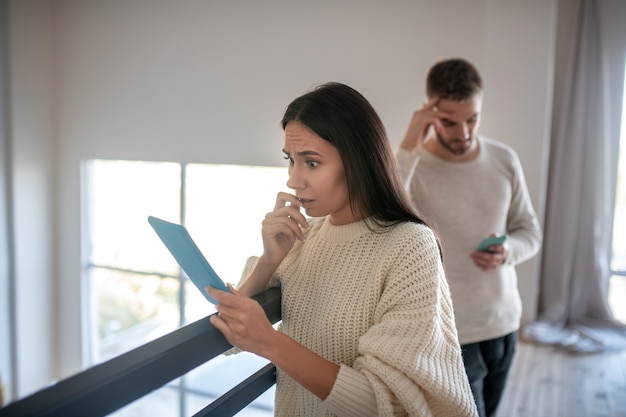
(471, 187)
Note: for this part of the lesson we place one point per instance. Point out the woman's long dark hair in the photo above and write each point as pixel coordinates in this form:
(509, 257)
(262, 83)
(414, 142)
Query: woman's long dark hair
(342, 116)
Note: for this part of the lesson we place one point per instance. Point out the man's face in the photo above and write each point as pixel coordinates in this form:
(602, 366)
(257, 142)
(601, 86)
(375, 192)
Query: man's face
(457, 138)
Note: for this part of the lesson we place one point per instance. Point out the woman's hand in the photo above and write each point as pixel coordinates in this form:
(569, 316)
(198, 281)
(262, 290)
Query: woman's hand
(242, 321)
(245, 325)
(282, 227)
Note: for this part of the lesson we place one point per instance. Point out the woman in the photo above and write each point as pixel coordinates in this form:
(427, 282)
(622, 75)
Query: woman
(367, 321)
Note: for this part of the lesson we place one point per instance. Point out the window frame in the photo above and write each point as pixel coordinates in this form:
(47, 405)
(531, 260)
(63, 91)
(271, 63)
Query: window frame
(181, 387)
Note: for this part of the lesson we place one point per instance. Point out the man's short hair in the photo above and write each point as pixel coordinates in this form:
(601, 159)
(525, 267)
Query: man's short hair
(453, 79)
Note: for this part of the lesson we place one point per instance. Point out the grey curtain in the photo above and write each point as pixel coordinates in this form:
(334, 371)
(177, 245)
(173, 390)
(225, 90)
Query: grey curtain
(573, 304)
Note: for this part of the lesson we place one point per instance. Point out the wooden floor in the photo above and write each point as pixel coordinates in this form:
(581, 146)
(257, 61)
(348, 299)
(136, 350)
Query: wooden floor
(548, 382)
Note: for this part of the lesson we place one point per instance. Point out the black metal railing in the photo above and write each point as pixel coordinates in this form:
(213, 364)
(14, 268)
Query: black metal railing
(109, 386)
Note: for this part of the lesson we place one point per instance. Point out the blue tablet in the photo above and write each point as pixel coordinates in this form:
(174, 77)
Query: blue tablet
(177, 239)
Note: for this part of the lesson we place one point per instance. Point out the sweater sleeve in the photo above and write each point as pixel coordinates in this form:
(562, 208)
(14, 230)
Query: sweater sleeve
(407, 162)
(352, 394)
(410, 359)
(525, 234)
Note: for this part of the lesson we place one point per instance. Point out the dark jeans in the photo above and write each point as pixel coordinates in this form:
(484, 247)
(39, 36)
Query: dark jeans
(487, 365)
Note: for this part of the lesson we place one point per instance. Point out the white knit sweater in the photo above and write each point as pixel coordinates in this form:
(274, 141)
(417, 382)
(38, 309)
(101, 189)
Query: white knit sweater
(467, 201)
(377, 303)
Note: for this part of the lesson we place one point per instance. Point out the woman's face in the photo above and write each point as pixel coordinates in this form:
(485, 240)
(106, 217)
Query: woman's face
(316, 174)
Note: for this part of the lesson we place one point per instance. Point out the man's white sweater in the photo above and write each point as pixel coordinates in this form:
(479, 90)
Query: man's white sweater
(466, 202)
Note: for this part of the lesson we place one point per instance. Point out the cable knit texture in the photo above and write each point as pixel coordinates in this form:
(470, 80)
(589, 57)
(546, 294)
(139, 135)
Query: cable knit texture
(377, 303)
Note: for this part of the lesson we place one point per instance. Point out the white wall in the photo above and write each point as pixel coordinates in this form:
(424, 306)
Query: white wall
(31, 159)
(207, 81)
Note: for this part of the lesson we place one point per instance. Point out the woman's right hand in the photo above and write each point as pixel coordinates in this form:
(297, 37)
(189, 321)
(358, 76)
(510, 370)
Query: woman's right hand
(282, 227)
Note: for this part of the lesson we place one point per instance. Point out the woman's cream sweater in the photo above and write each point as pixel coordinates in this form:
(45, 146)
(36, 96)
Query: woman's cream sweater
(376, 302)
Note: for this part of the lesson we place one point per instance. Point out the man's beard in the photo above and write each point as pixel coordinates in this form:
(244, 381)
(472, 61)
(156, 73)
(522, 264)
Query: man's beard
(454, 150)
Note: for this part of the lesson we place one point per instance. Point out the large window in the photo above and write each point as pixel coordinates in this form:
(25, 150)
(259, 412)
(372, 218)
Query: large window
(138, 293)
(617, 286)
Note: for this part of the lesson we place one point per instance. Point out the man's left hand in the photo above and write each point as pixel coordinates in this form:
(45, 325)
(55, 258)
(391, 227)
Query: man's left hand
(488, 261)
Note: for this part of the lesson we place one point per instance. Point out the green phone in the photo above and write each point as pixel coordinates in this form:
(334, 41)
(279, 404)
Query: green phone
(491, 241)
